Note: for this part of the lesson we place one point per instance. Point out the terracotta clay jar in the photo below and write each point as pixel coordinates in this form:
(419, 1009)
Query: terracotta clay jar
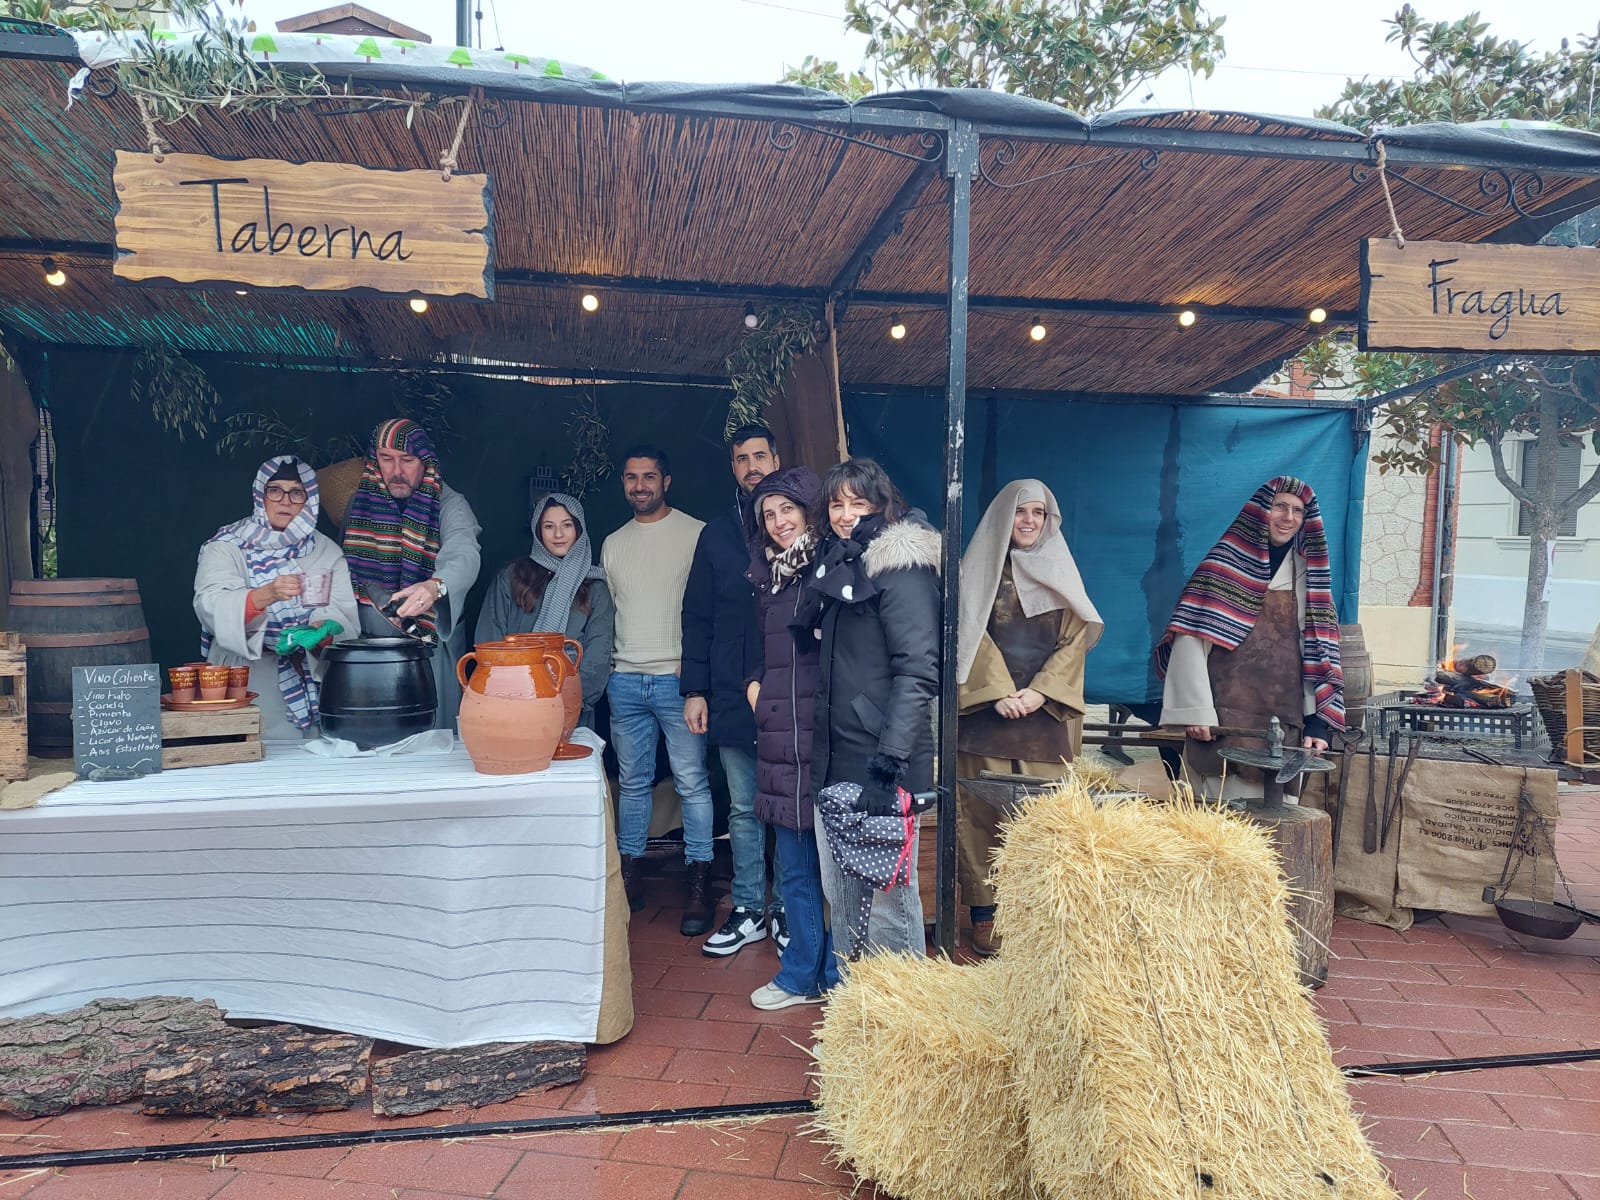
(511, 709)
(571, 690)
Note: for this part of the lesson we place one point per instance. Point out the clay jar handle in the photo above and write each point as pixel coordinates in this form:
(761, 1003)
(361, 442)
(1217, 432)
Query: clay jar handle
(577, 648)
(559, 666)
(461, 667)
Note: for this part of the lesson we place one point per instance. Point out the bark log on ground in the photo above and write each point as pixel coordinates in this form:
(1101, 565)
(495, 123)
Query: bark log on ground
(240, 1072)
(94, 1054)
(473, 1075)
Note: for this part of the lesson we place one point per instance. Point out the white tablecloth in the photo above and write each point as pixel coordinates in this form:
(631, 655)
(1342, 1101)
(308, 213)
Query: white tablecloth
(407, 898)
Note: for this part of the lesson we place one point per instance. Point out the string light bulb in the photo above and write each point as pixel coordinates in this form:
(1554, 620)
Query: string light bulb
(418, 305)
(1317, 315)
(1186, 318)
(750, 318)
(1036, 330)
(897, 327)
(590, 302)
(53, 274)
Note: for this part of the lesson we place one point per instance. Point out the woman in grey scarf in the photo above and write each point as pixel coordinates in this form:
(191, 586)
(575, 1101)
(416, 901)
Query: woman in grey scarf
(557, 588)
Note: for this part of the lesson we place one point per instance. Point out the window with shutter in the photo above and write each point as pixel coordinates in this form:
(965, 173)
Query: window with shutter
(1569, 460)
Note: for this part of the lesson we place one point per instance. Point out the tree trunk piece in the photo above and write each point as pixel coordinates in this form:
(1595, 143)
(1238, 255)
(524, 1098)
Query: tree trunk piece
(241, 1072)
(472, 1075)
(94, 1054)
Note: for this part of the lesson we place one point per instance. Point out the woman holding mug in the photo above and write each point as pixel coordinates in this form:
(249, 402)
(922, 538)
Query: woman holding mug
(270, 572)
(556, 588)
(781, 531)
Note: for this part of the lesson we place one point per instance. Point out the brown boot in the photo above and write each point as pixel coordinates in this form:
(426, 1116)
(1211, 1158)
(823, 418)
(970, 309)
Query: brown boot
(632, 883)
(697, 910)
(985, 942)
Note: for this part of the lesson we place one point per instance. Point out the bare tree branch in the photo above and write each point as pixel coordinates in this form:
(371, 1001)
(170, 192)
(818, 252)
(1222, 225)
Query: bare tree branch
(1497, 454)
(1586, 493)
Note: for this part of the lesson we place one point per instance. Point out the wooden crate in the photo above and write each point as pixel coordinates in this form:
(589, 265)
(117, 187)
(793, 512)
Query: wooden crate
(13, 708)
(202, 739)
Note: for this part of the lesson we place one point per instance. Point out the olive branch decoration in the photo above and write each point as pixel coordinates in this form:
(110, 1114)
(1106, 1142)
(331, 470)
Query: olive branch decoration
(180, 396)
(591, 446)
(760, 363)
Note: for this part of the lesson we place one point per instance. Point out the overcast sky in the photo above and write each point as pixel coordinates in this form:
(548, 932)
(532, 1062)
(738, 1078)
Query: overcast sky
(1283, 56)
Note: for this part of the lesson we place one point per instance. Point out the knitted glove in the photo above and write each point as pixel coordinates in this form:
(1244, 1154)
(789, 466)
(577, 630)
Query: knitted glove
(880, 793)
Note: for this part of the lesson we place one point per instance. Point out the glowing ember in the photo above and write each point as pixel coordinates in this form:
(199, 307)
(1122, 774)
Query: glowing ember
(1464, 681)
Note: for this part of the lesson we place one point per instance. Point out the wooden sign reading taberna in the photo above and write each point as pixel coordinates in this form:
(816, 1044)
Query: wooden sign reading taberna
(116, 721)
(1470, 296)
(327, 227)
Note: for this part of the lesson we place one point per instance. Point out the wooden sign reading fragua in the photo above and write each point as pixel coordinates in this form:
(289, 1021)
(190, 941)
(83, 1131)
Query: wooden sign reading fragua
(1467, 296)
(116, 721)
(327, 227)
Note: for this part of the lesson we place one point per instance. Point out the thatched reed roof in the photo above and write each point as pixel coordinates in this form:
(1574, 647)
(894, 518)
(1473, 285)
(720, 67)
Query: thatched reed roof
(680, 204)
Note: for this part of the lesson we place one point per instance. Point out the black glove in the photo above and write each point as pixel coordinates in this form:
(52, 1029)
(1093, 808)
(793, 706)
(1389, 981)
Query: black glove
(879, 794)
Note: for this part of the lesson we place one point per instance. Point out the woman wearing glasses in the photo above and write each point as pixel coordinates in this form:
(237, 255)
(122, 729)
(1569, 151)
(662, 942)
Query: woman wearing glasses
(262, 575)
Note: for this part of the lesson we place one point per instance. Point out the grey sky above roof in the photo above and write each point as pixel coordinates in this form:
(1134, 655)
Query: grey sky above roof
(1282, 57)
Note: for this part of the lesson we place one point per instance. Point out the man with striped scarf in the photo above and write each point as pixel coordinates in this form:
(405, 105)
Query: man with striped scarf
(410, 537)
(1255, 636)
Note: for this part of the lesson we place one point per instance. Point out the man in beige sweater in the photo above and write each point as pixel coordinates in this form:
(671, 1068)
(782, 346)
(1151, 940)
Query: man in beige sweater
(647, 566)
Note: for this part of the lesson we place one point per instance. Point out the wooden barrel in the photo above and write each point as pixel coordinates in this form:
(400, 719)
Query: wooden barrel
(1357, 666)
(1303, 838)
(70, 623)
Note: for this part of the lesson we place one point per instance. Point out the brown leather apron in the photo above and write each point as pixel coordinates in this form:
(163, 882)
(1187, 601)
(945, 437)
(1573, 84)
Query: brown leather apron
(1250, 685)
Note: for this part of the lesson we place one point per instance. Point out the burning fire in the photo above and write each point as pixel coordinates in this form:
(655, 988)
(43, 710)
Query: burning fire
(1468, 681)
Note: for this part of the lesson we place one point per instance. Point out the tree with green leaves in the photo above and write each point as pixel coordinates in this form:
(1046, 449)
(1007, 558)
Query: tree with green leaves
(1087, 55)
(1463, 74)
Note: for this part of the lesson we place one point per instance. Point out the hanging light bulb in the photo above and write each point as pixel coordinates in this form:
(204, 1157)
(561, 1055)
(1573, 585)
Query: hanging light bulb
(241, 291)
(1186, 318)
(53, 274)
(590, 302)
(418, 305)
(1036, 330)
(1317, 315)
(897, 327)
(750, 318)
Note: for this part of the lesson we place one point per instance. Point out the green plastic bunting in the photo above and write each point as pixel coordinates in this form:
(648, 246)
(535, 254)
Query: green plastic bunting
(368, 49)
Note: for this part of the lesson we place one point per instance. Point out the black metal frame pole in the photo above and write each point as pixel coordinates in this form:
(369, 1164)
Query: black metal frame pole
(961, 165)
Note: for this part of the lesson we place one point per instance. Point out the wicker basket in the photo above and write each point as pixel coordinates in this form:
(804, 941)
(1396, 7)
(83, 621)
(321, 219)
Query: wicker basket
(1550, 694)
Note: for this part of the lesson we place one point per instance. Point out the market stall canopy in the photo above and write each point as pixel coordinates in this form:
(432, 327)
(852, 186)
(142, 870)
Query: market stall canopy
(679, 204)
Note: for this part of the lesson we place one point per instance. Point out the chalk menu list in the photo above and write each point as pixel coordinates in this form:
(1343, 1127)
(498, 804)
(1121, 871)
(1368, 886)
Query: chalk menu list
(116, 721)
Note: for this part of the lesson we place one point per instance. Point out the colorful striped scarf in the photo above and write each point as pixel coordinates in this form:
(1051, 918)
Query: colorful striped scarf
(1223, 597)
(388, 544)
(268, 553)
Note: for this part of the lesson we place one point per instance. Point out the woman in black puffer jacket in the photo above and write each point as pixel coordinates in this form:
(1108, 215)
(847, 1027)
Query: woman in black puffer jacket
(781, 529)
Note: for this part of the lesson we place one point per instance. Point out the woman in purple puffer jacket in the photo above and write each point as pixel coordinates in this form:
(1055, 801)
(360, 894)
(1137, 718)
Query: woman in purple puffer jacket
(781, 529)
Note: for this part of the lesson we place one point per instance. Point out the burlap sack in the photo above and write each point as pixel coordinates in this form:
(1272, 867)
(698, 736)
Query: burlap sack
(1456, 822)
(1364, 885)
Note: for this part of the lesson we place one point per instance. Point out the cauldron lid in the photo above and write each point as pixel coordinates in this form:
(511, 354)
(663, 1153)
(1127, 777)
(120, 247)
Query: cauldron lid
(378, 649)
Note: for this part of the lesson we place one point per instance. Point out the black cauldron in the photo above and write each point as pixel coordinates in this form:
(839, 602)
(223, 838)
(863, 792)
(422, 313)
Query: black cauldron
(378, 690)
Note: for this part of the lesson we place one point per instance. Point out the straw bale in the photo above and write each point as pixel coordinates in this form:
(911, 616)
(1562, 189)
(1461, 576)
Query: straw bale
(1157, 1022)
(915, 1084)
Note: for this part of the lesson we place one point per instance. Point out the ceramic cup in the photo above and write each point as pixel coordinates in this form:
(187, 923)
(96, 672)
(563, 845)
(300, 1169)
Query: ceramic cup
(213, 683)
(238, 682)
(316, 588)
(184, 681)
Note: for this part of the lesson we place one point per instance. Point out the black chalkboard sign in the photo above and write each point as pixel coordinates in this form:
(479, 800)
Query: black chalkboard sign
(116, 721)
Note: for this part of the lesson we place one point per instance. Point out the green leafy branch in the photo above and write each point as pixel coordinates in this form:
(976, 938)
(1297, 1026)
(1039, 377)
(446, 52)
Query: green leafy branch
(591, 446)
(758, 367)
(180, 396)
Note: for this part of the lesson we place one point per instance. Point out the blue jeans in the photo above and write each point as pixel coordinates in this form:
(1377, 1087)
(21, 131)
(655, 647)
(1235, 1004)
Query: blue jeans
(747, 836)
(809, 967)
(641, 705)
(896, 920)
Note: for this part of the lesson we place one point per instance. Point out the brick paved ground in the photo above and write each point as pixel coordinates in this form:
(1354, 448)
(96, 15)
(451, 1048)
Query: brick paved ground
(1443, 989)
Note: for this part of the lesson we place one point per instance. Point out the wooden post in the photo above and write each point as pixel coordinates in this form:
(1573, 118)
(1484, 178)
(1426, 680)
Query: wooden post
(1574, 695)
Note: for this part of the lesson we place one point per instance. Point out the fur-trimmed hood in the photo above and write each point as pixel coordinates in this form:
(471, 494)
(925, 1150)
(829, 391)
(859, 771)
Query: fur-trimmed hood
(909, 542)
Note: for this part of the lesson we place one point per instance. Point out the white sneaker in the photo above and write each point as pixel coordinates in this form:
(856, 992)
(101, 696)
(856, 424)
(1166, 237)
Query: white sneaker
(742, 927)
(778, 927)
(770, 996)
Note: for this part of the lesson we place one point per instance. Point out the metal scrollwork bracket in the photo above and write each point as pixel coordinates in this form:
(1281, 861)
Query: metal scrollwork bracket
(1496, 183)
(1005, 154)
(782, 136)
(492, 112)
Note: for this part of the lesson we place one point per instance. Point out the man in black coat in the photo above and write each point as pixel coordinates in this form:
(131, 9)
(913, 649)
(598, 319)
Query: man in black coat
(721, 650)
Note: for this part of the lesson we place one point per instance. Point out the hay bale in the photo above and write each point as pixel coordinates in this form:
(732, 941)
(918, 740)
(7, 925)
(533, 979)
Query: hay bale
(1156, 1018)
(915, 1082)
